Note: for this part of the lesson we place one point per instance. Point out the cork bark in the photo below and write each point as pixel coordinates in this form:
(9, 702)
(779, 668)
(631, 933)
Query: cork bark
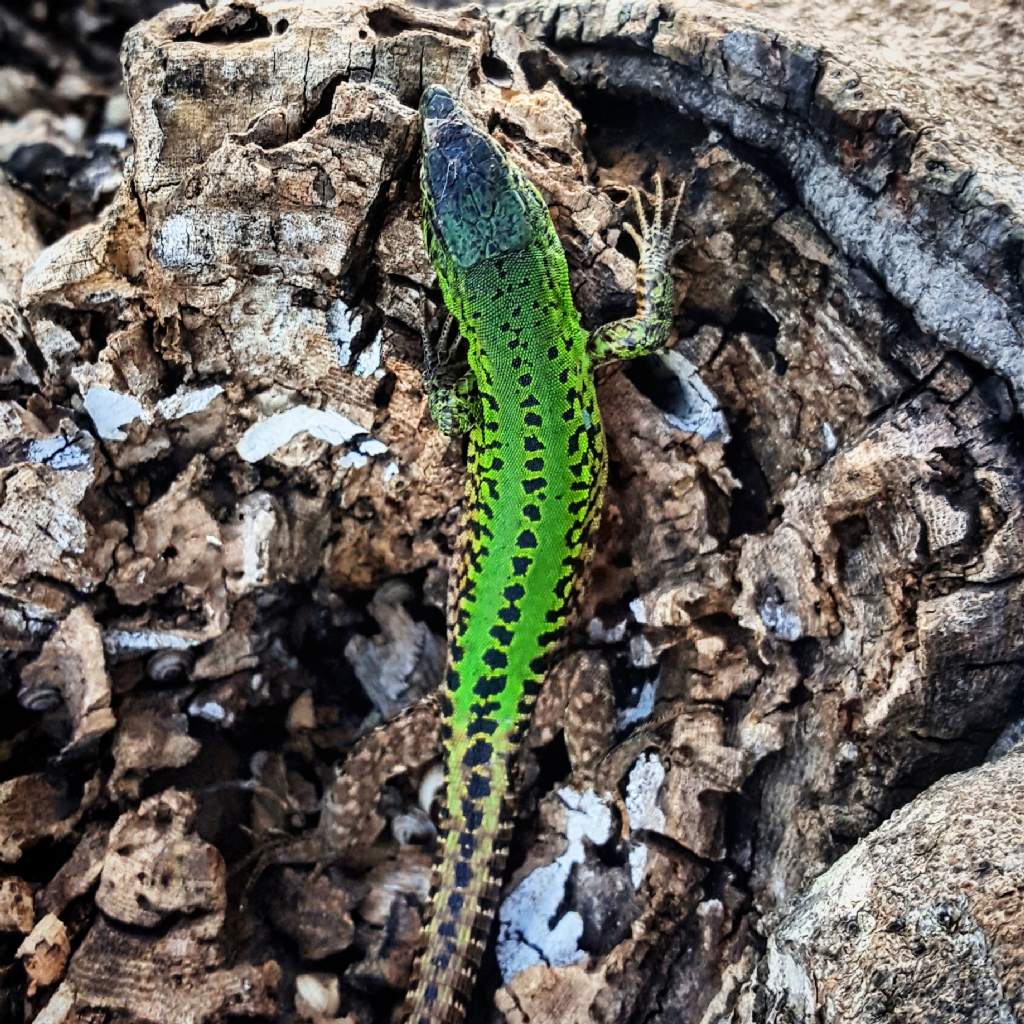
(226, 518)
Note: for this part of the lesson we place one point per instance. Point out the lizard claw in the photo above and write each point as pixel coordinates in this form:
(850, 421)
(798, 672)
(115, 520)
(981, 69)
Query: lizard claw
(654, 239)
(446, 376)
(440, 348)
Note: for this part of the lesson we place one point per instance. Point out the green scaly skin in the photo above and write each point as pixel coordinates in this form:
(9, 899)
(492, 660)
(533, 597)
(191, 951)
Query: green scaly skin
(535, 478)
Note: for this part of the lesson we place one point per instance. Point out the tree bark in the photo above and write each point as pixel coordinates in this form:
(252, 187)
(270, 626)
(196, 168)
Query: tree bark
(225, 521)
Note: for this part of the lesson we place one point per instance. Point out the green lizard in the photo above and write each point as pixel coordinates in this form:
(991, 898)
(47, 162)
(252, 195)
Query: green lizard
(535, 479)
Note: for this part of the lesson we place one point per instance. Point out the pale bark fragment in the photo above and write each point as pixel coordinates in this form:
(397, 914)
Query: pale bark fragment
(45, 953)
(16, 911)
(78, 874)
(152, 736)
(19, 245)
(128, 972)
(32, 809)
(156, 869)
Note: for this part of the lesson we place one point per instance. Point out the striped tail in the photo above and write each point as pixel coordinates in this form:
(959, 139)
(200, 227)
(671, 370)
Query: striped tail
(468, 871)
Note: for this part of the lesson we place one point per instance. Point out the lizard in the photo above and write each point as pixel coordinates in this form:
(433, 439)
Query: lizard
(524, 397)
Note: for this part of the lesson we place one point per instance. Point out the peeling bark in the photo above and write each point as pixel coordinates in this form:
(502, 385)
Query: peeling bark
(225, 519)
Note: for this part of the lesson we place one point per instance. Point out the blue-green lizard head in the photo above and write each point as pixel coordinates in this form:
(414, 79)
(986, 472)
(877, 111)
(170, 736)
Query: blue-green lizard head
(476, 203)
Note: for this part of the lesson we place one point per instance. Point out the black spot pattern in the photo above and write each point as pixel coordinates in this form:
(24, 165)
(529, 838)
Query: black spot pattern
(534, 482)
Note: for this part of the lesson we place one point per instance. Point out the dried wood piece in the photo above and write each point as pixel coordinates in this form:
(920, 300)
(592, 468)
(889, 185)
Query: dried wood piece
(401, 663)
(704, 768)
(548, 997)
(315, 913)
(79, 872)
(53, 521)
(176, 543)
(168, 977)
(21, 243)
(16, 911)
(152, 735)
(675, 492)
(158, 873)
(156, 868)
(928, 911)
(33, 808)
(44, 953)
(72, 668)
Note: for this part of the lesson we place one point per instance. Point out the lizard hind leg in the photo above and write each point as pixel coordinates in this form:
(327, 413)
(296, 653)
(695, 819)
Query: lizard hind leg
(648, 330)
(349, 816)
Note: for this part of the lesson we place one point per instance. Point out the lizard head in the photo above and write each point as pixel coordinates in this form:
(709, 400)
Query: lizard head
(477, 204)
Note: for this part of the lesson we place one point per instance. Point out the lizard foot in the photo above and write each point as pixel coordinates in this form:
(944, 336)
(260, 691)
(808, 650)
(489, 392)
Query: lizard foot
(655, 237)
(650, 329)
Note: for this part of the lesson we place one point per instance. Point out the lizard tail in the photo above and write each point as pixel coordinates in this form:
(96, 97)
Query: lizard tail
(468, 872)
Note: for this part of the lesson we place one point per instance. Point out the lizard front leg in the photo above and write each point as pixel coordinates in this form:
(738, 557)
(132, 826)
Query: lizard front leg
(451, 388)
(648, 330)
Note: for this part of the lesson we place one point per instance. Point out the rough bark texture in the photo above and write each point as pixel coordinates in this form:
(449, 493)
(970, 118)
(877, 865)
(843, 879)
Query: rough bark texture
(876, 938)
(225, 516)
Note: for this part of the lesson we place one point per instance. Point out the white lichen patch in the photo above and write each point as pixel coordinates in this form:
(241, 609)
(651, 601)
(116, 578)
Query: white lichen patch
(642, 708)
(343, 325)
(641, 653)
(178, 244)
(57, 453)
(695, 408)
(369, 359)
(599, 633)
(144, 641)
(778, 618)
(828, 438)
(353, 460)
(366, 450)
(296, 231)
(528, 932)
(264, 438)
(187, 401)
(192, 241)
(643, 792)
(255, 532)
(210, 711)
(110, 410)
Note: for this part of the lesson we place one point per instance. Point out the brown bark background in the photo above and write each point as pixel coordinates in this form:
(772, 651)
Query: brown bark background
(225, 516)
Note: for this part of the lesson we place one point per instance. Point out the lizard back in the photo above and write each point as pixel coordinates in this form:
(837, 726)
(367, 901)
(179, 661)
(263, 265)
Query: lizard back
(535, 476)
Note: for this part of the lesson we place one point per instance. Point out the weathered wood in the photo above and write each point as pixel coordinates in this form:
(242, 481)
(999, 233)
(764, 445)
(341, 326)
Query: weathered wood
(225, 515)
